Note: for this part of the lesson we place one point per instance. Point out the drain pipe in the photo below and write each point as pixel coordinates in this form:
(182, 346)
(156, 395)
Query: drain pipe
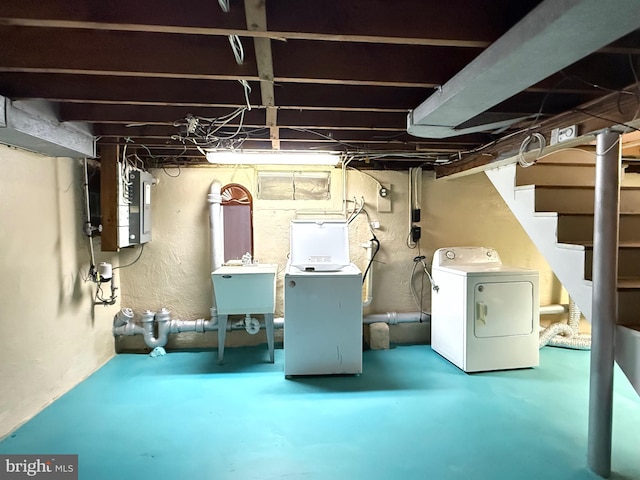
(368, 286)
(217, 236)
(393, 318)
(123, 324)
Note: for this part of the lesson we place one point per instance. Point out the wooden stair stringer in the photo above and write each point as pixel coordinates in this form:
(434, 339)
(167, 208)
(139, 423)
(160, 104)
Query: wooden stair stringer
(566, 261)
(627, 353)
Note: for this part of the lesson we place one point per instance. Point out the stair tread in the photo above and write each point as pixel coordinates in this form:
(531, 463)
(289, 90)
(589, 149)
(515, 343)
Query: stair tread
(545, 214)
(630, 327)
(628, 283)
(570, 246)
(623, 244)
(565, 164)
(580, 187)
(583, 214)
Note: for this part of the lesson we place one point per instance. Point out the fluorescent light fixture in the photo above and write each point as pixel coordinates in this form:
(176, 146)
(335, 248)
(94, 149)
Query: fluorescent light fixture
(275, 158)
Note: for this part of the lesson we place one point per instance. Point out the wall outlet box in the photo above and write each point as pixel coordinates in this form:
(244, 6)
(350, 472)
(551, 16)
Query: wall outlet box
(416, 233)
(384, 203)
(559, 135)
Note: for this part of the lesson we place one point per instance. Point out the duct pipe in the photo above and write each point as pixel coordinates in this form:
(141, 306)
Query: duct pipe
(578, 341)
(565, 335)
(604, 300)
(216, 226)
(394, 317)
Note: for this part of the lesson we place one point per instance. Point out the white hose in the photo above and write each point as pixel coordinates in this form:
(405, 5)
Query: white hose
(565, 335)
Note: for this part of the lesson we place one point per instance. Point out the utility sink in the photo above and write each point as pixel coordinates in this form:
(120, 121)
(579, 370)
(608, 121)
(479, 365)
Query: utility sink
(245, 288)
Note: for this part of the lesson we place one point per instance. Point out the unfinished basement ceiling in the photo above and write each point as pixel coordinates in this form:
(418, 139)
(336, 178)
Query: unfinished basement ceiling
(324, 75)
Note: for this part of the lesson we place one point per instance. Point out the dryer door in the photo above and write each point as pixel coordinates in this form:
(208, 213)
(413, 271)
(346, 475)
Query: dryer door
(503, 309)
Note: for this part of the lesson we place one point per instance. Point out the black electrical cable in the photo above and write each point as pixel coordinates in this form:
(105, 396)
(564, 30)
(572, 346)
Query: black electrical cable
(615, 122)
(139, 255)
(416, 260)
(377, 242)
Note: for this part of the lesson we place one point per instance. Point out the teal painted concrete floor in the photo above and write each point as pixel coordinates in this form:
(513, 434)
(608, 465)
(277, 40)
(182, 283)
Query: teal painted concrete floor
(410, 415)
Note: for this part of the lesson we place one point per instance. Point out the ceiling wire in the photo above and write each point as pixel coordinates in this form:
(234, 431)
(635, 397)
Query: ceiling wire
(236, 48)
(238, 53)
(542, 144)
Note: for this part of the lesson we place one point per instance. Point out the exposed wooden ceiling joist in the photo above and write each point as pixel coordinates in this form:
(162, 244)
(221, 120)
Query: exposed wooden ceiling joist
(612, 110)
(333, 74)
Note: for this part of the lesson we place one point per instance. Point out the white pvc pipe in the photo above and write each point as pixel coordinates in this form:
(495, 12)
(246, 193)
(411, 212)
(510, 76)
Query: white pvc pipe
(394, 317)
(216, 226)
(415, 317)
(553, 309)
(345, 164)
(123, 324)
(369, 280)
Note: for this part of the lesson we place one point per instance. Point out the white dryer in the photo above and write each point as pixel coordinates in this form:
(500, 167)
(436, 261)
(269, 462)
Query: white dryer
(484, 315)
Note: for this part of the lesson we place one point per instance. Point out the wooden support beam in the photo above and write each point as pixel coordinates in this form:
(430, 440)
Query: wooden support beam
(281, 35)
(274, 131)
(109, 155)
(613, 109)
(275, 35)
(256, 15)
(127, 73)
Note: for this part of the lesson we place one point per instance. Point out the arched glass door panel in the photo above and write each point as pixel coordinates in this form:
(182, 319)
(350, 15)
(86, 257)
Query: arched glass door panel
(237, 211)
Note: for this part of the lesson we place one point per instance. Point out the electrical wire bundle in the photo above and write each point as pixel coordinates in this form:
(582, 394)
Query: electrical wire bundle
(357, 210)
(212, 132)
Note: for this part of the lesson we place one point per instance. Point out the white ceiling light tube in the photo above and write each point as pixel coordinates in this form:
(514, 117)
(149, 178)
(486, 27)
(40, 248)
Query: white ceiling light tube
(289, 158)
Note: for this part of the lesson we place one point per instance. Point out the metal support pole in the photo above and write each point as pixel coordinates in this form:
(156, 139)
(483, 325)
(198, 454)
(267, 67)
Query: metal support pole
(605, 300)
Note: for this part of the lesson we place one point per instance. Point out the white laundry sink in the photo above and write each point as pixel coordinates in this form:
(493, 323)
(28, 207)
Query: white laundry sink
(245, 288)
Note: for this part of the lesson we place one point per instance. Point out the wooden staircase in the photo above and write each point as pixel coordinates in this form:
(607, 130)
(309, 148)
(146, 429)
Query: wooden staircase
(554, 202)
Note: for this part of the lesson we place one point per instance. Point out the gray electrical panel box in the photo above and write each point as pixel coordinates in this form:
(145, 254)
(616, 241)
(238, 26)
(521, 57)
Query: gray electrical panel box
(140, 206)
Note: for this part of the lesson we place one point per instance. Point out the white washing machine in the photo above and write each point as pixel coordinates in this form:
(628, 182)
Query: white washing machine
(322, 321)
(484, 315)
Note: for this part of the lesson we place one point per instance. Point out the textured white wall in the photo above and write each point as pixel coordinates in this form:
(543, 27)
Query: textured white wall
(174, 269)
(51, 336)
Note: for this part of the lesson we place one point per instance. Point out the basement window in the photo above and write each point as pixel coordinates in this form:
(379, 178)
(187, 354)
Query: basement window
(294, 185)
